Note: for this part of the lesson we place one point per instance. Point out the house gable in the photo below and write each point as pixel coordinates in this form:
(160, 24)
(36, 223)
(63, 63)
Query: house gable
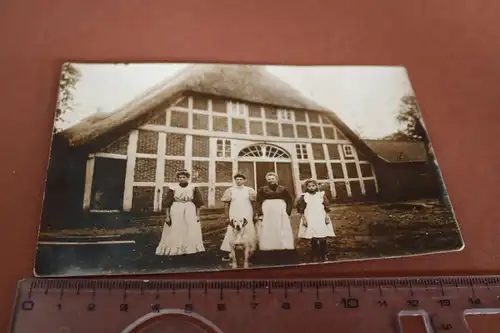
(203, 134)
(197, 113)
(251, 84)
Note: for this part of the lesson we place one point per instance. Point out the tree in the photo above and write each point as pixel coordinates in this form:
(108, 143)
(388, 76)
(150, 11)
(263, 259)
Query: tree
(413, 130)
(70, 75)
(409, 115)
(398, 136)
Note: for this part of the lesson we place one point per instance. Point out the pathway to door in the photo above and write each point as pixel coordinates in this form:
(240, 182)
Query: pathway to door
(257, 160)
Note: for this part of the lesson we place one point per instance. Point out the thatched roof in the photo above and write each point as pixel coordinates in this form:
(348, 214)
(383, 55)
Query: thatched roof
(87, 122)
(399, 151)
(240, 82)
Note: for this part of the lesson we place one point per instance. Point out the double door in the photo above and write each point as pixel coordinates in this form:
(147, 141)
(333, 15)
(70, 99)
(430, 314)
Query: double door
(256, 171)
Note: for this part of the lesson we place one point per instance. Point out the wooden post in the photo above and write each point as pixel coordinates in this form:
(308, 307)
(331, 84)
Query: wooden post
(329, 170)
(160, 171)
(344, 170)
(129, 174)
(211, 171)
(89, 175)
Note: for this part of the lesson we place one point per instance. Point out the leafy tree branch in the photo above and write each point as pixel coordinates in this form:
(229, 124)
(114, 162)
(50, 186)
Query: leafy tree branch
(70, 75)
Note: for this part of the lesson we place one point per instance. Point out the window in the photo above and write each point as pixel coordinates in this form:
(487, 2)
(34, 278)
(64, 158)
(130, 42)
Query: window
(237, 109)
(263, 150)
(348, 151)
(284, 114)
(305, 171)
(223, 148)
(301, 149)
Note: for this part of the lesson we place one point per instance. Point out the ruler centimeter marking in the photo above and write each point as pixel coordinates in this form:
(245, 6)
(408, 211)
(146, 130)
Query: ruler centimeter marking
(350, 305)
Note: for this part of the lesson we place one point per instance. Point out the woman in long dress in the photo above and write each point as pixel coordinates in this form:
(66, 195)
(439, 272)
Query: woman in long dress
(315, 224)
(239, 200)
(182, 230)
(275, 207)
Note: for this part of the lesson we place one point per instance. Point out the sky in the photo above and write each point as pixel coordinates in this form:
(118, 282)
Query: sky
(366, 98)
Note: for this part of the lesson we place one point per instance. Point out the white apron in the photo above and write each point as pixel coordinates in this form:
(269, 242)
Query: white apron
(184, 235)
(315, 216)
(241, 207)
(275, 229)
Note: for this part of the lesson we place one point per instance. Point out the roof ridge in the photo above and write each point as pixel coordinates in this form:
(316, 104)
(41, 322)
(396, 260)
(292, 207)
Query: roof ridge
(231, 81)
(155, 88)
(289, 86)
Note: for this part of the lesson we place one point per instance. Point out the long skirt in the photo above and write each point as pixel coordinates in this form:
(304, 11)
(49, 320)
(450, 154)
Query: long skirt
(184, 235)
(275, 229)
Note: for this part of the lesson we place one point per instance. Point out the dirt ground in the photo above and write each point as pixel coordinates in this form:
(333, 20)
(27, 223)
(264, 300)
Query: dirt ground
(363, 231)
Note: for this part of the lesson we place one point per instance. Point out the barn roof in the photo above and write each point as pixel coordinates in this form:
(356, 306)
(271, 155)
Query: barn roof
(241, 82)
(87, 122)
(399, 151)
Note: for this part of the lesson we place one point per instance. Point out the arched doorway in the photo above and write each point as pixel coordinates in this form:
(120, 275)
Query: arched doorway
(256, 160)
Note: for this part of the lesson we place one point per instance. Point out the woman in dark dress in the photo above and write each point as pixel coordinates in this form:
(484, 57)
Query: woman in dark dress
(182, 230)
(274, 204)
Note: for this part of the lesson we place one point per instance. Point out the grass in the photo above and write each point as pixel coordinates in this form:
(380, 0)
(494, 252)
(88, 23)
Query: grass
(363, 231)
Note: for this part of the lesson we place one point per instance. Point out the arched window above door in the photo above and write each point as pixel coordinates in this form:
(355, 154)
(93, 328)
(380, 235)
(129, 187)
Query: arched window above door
(264, 151)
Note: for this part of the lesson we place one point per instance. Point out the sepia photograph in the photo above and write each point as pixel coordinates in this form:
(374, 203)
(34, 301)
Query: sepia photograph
(163, 168)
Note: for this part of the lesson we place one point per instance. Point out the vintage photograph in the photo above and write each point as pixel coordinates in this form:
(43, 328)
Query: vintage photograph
(161, 168)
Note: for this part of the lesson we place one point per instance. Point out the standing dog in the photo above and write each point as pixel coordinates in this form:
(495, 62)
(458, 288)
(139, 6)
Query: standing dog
(243, 242)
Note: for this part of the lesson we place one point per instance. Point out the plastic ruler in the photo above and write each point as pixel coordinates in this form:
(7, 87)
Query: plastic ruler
(409, 305)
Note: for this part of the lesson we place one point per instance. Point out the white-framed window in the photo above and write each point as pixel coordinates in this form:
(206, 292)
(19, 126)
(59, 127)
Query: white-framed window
(348, 150)
(237, 109)
(223, 148)
(301, 149)
(285, 114)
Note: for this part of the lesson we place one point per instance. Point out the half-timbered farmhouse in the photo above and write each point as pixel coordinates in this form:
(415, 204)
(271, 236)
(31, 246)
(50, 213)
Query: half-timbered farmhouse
(215, 120)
